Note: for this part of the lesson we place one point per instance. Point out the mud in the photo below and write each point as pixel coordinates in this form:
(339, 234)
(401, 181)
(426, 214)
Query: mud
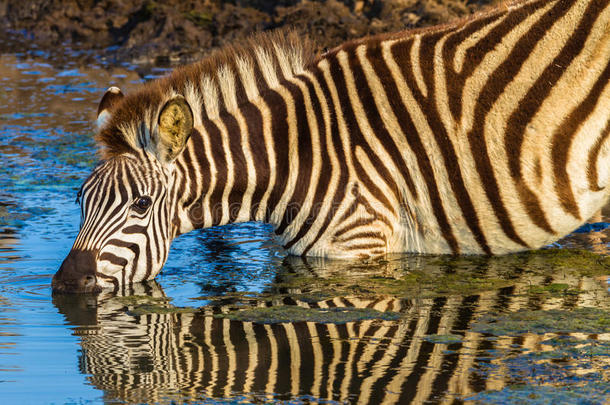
(162, 32)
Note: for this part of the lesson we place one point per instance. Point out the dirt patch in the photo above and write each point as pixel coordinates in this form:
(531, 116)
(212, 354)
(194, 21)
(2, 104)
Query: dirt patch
(181, 31)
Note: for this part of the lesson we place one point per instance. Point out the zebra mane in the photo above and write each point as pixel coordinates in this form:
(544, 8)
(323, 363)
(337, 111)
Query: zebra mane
(218, 83)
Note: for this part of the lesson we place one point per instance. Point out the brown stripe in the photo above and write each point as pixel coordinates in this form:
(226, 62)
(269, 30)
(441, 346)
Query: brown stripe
(374, 119)
(116, 260)
(562, 140)
(149, 264)
(493, 89)
(305, 157)
(325, 167)
(376, 215)
(157, 228)
(135, 248)
(361, 235)
(401, 52)
(336, 144)
(364, 246)
(279, 133)
(199, 168)
(455, 90)
(240, 167)
(218, 155)
(475, 55)
(260, 157)
(356, 224)
(593, 157)
(353, 207)
(198, 171)
(112, 279)
(357, 138)
(528, 108)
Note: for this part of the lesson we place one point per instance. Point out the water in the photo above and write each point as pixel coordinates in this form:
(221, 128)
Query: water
(533, 327)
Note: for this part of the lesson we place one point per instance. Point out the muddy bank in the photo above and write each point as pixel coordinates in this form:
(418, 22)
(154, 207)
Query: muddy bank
(143, 31)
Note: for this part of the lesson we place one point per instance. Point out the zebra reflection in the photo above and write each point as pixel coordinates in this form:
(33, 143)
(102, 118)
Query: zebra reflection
(151, 353)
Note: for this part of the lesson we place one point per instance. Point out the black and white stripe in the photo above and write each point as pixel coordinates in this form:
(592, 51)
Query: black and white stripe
(485, 136)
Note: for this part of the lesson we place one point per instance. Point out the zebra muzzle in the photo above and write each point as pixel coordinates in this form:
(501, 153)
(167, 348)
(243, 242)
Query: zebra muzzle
(76, 274)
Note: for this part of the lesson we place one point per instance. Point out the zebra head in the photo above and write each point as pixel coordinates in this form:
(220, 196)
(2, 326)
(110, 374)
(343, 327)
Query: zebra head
(128, 209)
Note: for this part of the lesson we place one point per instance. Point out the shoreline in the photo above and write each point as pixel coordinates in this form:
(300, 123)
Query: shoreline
(147, 32)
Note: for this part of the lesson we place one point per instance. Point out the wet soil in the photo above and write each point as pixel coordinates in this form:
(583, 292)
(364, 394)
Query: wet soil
(175, 31)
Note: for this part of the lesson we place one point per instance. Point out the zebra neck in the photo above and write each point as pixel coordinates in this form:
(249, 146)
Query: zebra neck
(246, 165)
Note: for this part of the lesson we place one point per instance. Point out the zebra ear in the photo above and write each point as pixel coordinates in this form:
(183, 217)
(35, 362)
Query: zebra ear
(175, 127)
(112, 96)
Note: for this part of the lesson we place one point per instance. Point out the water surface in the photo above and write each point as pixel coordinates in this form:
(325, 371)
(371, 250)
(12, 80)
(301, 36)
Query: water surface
(231, 319)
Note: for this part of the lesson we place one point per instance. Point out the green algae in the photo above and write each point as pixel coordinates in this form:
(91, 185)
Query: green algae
(572, 348)
(143, 305)
(576, 261)
(140, 299)
(293, 313)
(414, 284)
(159, 309)
(554, 289)
(444, 339)
(586, 320)
(430, 277)
(543, 261)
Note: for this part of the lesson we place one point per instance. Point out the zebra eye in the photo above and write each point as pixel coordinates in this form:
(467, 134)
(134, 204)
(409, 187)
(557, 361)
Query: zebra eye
(142, 203)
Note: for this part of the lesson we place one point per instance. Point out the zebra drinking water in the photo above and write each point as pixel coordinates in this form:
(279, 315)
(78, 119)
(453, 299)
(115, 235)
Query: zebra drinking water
(486, 136)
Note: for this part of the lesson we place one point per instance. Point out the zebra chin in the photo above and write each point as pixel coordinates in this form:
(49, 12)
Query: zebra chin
(76, 275)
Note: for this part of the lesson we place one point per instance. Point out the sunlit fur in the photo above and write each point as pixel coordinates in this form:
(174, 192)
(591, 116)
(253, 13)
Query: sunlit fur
(131, 245)
(486, 136)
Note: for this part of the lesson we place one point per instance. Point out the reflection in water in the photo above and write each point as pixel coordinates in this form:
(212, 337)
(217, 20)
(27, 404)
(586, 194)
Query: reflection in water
(595, 238)
(139, 348)
(8, 324)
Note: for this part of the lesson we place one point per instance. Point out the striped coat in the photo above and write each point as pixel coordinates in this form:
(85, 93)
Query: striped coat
(489, 135)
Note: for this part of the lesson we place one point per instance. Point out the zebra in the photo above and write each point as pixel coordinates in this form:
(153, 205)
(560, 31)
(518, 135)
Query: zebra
(165, 355)
(489, 135)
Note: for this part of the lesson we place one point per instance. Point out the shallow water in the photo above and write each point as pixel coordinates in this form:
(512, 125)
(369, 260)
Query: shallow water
(231, 319)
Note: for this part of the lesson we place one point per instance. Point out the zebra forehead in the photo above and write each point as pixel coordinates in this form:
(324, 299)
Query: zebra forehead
(237, 72)
(135, 169)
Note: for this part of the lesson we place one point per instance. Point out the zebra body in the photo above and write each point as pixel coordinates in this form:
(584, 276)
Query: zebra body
(485, 136)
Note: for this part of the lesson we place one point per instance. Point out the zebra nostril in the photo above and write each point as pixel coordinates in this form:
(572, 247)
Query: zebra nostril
(76, 273)
(89, 281)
